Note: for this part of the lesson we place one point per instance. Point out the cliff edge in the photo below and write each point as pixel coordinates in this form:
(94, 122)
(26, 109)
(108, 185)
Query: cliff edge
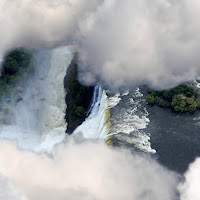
(78, 97)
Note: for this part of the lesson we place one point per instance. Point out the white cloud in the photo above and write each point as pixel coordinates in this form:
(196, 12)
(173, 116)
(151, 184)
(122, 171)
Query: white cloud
(86, 171)
(190, 189)
(138, 42)
(123, 43)
(40, 24)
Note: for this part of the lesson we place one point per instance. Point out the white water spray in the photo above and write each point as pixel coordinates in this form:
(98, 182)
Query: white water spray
(130, 120)
(38, 122)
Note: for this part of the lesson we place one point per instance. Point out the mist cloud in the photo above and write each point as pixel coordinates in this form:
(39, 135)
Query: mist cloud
(41, 24)
(129, 43)
(85, 171)
(122, 44)
(190, 189)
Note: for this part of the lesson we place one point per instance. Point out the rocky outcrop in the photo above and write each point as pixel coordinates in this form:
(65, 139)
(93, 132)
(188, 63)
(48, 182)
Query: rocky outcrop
(78, 97)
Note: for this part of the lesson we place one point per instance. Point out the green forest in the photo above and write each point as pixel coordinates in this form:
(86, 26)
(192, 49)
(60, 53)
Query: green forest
(183, 98)
(16, 66)
(78, 97)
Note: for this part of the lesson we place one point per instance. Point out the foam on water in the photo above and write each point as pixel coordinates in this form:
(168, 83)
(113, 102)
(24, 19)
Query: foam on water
(139, 140)
(38, 122)
(97, 124)
(114, 100)
(197, 84)
(129, 118)
(125, 93)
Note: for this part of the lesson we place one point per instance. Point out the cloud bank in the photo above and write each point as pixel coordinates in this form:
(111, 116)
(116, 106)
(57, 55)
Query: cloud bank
(128, 43)
(190, 189)
(122, 44)
(41, 24)
(84, 171)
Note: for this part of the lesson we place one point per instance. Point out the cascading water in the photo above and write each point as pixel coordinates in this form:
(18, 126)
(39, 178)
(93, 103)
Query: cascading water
(38, 122)
(129, 118)
(97, 124)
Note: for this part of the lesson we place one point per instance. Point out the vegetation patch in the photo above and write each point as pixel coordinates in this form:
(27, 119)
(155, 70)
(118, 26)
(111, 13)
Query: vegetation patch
(15, 67)
(183, 98)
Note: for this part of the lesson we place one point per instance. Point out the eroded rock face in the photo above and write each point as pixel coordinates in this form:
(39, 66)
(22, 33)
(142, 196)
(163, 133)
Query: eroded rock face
(78, 97)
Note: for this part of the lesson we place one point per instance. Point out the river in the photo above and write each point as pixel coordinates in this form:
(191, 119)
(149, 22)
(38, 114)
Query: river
(172, 138)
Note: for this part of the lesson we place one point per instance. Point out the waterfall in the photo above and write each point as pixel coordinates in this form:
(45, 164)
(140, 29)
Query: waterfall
(38, 122)
(97, 124)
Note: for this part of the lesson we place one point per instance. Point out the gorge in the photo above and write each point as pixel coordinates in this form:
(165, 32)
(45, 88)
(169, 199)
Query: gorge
(81, 165)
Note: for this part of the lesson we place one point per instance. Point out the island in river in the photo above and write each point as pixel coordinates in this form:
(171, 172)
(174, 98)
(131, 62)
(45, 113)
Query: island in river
(183, 98)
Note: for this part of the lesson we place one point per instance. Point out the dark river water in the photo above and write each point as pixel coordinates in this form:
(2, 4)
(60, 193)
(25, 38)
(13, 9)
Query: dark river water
(175, 137)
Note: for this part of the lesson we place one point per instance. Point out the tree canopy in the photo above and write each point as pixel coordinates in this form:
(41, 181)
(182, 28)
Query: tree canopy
(182, 98)
(15, 66)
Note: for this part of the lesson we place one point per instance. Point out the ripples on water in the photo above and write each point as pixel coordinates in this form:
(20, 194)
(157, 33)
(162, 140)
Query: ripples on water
(176, 137)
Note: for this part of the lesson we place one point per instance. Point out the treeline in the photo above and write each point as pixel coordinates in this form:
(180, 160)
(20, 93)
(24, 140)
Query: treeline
(16, 65)
(182, 98)
(78, 97)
